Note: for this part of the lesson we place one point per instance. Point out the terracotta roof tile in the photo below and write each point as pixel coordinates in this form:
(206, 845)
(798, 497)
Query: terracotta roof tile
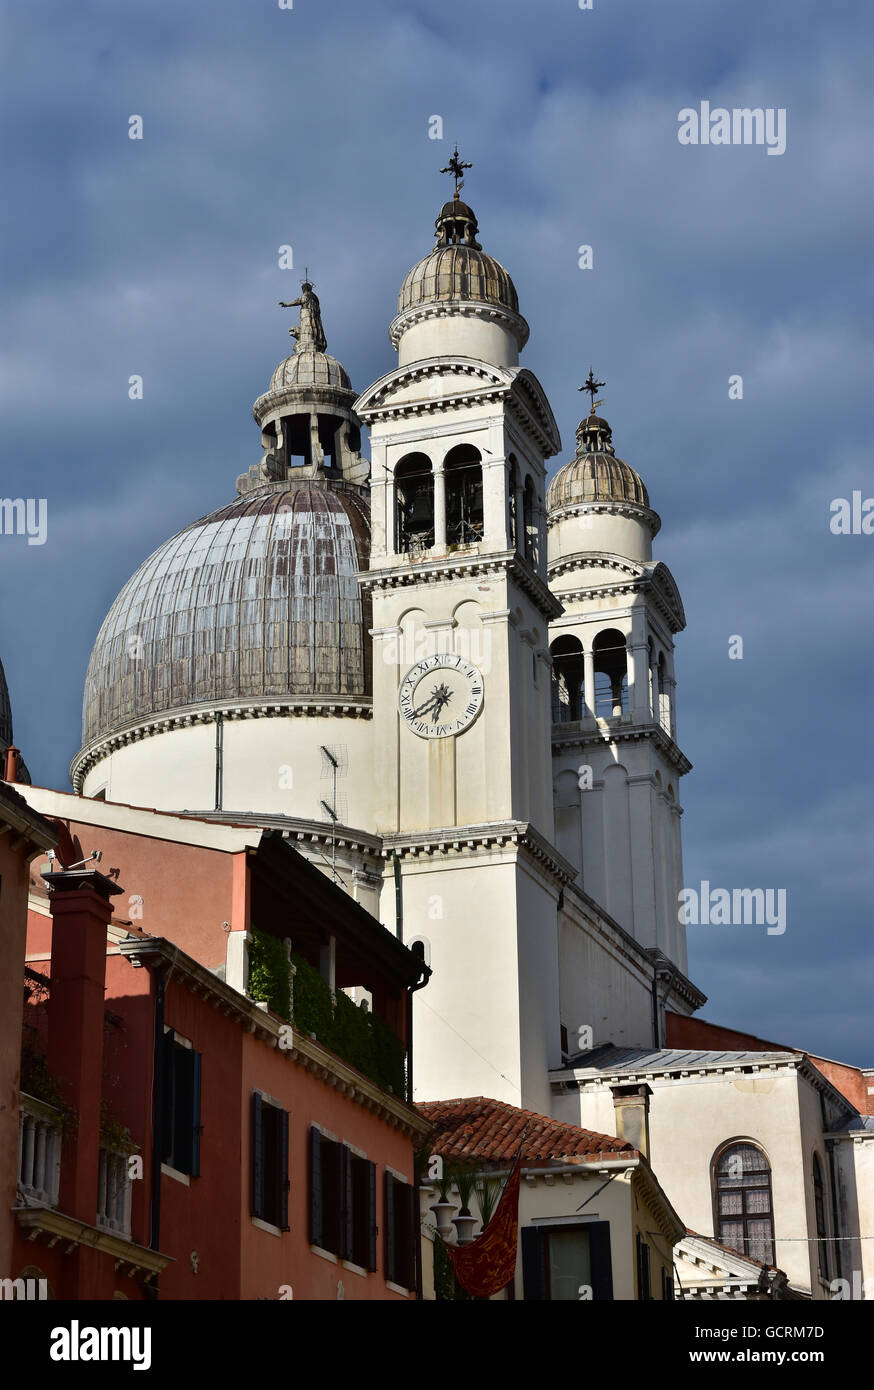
(477, 1129)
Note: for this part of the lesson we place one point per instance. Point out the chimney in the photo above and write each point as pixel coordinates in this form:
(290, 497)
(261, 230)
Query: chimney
(10, 764)
(81, 907)
(631, 1104)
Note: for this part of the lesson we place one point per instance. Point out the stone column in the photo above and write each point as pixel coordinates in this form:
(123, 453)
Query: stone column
(588, 684)
(439, 474)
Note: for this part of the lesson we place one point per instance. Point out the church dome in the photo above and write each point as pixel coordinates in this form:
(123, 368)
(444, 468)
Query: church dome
(309, 367)
(595, 474)
(458, 268)
(258, 600)
(458, 272)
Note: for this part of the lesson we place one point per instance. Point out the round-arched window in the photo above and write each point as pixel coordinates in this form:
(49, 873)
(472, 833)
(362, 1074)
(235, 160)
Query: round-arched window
(744, 1208)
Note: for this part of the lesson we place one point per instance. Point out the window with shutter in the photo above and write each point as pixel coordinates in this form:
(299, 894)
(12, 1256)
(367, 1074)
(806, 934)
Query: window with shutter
(389, 1253)
(644, 1290)
(401, 1232)
(316, 1220)
(180, 1106)
(561, 1263)
(269, 1162)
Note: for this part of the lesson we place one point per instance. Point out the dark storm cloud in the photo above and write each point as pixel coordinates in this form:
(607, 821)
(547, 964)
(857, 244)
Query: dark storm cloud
(309, 127)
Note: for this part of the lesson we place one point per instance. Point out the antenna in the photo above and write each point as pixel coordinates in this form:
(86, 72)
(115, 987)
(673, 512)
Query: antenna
(335, 763)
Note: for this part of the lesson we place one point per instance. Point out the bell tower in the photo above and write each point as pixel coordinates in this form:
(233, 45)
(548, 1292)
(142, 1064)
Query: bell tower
(459, 437)
(616, 761)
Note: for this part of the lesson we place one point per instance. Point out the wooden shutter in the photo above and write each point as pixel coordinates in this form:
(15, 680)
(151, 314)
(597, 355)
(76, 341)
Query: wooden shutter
(284, 1182)
(347, 1204)
(196, 1072)
(599, 1260)
(165, 1109)
(644, 1292)
(316, 1208)
(371, 1216)
(257, 1155)
(412, 1235)
(390, 1263)
(533, 1264)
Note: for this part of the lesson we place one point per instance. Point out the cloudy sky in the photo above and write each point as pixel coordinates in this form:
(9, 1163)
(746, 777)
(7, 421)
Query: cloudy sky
(309, 126)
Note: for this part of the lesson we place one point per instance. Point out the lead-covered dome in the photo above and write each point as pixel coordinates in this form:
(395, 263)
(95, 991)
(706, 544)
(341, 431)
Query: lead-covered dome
(259, 600)
(458, 267)
(309, 367)
(458, 272)
(595, 474)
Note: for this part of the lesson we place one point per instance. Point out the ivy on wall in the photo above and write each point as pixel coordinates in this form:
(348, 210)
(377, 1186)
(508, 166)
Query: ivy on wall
(362, 1039)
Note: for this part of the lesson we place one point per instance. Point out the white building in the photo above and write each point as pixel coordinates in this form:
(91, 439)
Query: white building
(454, 687)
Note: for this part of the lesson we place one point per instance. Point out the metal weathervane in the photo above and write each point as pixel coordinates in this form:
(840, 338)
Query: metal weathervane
(593, 387)
(456, 168)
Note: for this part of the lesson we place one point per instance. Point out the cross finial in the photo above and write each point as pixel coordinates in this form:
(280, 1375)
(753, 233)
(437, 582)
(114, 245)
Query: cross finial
(456, 167)
(593, 387)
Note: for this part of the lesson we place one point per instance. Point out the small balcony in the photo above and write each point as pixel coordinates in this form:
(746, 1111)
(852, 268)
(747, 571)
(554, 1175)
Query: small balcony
(39, 1152)
(114, 1191)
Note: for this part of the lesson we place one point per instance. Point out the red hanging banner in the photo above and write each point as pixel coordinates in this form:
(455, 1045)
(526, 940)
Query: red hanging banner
(488, 1264)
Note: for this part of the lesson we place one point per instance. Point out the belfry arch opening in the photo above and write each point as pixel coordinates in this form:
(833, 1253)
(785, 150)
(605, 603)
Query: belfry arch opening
(567, 680)
(531, 536)
(463, 472)
(512, 519)
(414, 504)
(611, 674)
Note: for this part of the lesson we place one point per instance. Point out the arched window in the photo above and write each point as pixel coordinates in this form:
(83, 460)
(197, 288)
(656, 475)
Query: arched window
(664, 694)
(742, 1197)
(567, 680)
(529, 521)
(414, 504)
(611, 674)
(819, 1209)
(512, 485)
(464, 495)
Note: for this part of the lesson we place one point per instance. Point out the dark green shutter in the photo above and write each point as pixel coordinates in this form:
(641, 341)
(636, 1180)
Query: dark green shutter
(390, 1269)
(316, 1213)
(371, 1216)
(257, 1156)
(347, 1204)
(166, 1109)
(533, 1264)
(284, 1182)
(413, 1235)
(600, 1262)
(196, 1072)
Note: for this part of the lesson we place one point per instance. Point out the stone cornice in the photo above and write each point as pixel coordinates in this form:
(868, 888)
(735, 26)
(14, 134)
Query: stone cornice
(298, 830)
(304, 1051)
(57, 1228)
(465, 563)
(472, 840)
(514, 388)
(581, 733)
(654, 580)
(641, 958)
(185, 716)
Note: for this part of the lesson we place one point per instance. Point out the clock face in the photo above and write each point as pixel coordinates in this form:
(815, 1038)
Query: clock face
(441, 696)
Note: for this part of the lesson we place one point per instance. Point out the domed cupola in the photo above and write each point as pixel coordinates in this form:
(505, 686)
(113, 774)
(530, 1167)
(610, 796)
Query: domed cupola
(456, 290)
(252, 613)
(308, 427)
(597, 501)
